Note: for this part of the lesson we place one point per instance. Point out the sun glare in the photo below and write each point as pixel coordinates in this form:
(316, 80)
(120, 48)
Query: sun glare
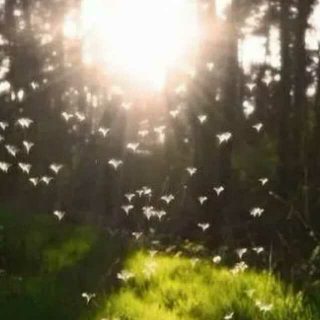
(140, 39)
(221, 6)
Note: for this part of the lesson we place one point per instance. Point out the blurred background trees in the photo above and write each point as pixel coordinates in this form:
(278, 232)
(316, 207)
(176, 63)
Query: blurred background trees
(256, 75)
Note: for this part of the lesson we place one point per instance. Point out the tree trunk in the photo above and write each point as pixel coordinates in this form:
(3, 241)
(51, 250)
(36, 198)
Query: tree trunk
(284, 99)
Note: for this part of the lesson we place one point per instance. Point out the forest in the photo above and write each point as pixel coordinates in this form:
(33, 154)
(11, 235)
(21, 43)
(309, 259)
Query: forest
(159, 159)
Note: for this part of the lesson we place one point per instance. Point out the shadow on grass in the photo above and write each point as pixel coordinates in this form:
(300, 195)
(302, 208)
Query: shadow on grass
(47, 265)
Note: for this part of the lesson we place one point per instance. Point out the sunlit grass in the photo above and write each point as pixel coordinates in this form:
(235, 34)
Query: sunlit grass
(51, 264)
(177, 290)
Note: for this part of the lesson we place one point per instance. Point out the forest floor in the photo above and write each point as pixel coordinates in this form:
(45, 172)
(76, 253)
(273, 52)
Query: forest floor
(52, 269)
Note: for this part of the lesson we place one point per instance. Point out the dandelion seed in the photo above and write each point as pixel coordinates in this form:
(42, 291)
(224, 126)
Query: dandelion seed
(148, 212)
(4, 166)
(115, 163)
(34, 85)
(80, 116)
(216, 259)
(56, 167)
(46, 179)
(170, 248)
(59, 214)
(174, 113)
(248, 108)
(67, 116)
(24, 122)
(146, 191)
(129, 196)
(202, 118)
(224, 137)
(204, 226)
(20, 95)
(125, 275)
(210, 66)
(258, 126)
(218, 190)
(159, 129)
(191, 170)
(202, 199)
(103, 131)
(4, 125)
(267, 79)
(167, 198)
(12, 150)
(160, 214)
(251, 86)
(137, 235)
(27, 145)
(25, 167)
(250, 292)
(256, 212)
(241, 252)
(263, 181)
(228, 316)
(153, 253)
(150, 268)
(133, 146)
(143, 133)
(239, 267)
(34, 181)
(263, 307)
(258, 250)
(88, 296)
(127, 208)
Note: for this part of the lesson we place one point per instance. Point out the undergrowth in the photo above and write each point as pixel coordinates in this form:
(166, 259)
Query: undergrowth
(47, 265)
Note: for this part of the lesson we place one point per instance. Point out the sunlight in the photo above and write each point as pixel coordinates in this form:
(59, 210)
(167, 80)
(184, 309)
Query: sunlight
(139, 39)
(255, 50)
(70, 28)
(252, 50)
(221, 6)
(313, 34)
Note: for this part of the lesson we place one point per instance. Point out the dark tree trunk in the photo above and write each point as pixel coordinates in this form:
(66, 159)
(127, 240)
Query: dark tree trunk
(284, 99)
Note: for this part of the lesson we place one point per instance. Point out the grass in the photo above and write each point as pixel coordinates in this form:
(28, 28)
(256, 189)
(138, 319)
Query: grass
(177, 289)
(49, 264)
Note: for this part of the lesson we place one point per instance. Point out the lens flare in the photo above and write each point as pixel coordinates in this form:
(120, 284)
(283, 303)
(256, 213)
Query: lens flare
(140, 39)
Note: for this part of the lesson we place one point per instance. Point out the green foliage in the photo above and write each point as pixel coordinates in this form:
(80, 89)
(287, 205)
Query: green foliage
(39, 241)
(73, 259)
(69, 249)
(180, 289)
(50, 264)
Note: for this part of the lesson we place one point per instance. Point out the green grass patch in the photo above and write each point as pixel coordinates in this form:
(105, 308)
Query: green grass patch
(49, 264)
(168, 287)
